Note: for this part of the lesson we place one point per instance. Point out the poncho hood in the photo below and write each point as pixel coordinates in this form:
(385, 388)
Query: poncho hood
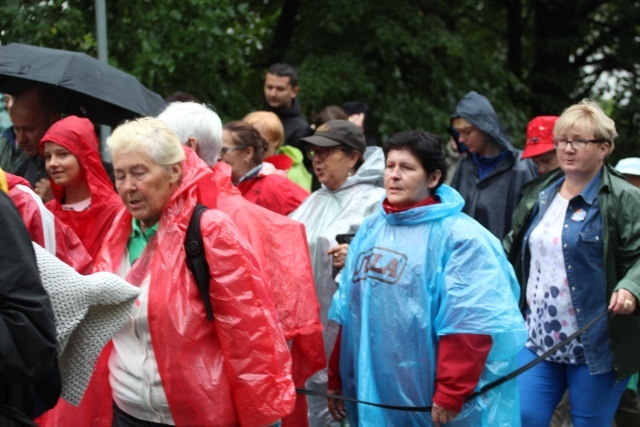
(77, 135)
(451, 203)
(370, 172)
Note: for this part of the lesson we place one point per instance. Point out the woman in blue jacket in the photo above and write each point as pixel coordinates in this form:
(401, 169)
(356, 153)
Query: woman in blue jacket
(427, 304)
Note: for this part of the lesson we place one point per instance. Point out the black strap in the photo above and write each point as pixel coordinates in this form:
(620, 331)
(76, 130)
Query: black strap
(350, 399)
(539, 359)
(484, 389)
(15, 415)
(196, 260)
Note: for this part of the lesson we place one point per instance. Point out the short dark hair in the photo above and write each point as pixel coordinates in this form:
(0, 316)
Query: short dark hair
(284, 70)
(246, 135)
(46, 97)
(425, 146)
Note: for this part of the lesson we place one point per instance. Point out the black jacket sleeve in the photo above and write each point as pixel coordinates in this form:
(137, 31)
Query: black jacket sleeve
(27, 325)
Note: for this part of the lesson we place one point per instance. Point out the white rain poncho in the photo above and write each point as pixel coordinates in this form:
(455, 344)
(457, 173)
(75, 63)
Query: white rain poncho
(410, 278)
(326, 214)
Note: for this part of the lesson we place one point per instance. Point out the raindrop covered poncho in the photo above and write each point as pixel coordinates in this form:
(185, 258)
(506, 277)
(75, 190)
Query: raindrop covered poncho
(410, 278)
(326, 214)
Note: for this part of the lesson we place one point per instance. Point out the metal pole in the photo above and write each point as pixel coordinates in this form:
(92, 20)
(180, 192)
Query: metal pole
(101, 36)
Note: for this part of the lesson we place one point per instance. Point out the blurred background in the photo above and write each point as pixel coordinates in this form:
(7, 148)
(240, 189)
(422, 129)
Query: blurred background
(410, 61)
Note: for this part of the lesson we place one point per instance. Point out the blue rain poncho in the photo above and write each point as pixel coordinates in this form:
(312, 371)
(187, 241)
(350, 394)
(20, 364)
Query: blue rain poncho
(410, 278)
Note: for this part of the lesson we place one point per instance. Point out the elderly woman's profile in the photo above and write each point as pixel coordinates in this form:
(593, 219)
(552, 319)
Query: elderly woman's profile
(169, 365)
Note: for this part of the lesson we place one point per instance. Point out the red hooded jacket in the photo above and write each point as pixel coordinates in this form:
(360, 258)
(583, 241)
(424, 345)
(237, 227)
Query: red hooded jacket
(45, 229)
(280, 245)
(273, 192)
(78, 136)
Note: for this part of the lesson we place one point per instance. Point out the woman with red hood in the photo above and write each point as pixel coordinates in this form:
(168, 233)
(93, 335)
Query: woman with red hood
(84, 197)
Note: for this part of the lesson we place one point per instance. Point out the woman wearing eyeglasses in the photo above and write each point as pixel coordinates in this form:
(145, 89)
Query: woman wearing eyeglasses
(243, 149)
(352, 185)
(575, 247)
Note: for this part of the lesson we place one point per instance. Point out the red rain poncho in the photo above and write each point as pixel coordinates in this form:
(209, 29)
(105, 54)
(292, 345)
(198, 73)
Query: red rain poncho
(78, 136)
(280, 245)
(273, 192)
(60, 239)
(233, 371)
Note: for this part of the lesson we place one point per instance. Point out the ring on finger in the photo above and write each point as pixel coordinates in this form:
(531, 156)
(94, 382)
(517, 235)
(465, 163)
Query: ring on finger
(628, 303)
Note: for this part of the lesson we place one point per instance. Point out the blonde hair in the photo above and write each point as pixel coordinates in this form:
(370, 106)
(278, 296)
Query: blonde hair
(269, 122)
(589, 117)
(150, 136)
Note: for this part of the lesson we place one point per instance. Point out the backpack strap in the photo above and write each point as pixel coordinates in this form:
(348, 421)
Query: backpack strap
(196, 260)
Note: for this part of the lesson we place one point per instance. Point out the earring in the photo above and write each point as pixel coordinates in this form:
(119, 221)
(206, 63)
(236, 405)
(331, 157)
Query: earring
(349, 173)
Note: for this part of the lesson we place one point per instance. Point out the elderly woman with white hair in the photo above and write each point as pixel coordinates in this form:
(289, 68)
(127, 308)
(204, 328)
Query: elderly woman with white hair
(279, 244)
(169, 364)
(575, 247)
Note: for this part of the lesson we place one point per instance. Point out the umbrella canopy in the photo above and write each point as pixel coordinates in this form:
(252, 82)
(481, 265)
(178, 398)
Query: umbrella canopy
(83, 85)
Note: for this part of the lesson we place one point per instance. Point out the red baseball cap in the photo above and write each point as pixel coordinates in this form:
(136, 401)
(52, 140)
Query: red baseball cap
(539, 136)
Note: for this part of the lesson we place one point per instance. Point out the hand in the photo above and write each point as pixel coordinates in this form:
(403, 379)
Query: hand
(339, 254)
(623, 302)
(43, 189)
(336, 406)
(440, 415)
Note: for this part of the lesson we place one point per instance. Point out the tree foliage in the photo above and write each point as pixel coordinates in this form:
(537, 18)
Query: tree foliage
(410, 61)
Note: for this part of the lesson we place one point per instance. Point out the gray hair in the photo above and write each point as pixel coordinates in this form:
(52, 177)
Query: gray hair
(150, 136)
(190, 119)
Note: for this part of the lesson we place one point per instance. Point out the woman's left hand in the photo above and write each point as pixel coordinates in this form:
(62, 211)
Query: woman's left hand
(623, 302)
(440, 415)
(339, 254)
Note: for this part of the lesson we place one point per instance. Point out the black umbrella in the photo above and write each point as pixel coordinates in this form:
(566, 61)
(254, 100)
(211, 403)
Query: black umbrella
(83, 85)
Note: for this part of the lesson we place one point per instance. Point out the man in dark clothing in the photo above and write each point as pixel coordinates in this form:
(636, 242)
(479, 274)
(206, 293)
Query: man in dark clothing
(27, 327)
(280, 93)
(32, 113)
(490, 176)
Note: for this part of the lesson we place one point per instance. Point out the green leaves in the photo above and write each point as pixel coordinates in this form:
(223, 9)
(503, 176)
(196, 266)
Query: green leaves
(410, 61)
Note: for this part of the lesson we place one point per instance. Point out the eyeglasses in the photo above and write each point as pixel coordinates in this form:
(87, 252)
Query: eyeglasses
(576, 143)
(225, 150)
(321, 153)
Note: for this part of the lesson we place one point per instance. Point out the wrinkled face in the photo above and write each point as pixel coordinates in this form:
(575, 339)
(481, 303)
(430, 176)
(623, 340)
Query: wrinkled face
(62, 166)
(30, 125)
(144, 186)
(474, 140)
(584, 162)
(405, 180)
(238, 157)
(546, 162)
(278, 91)
(332, 166)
